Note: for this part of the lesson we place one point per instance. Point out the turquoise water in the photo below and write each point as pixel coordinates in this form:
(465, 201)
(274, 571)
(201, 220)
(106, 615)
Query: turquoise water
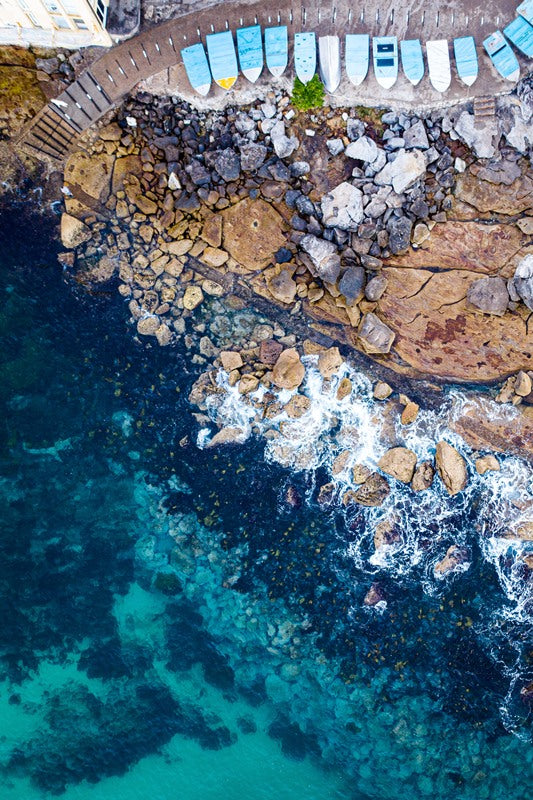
(172, 627)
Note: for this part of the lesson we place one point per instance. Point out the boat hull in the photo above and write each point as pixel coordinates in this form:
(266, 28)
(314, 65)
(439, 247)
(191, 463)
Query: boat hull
(276, 50)
(439, 69)
(250, 50)
(222, 58)
(464, 49)
(502, 57)
(329, 53)
(385, 58)
(305, 56)
(197, 68)
(412, 60)
(357, 56)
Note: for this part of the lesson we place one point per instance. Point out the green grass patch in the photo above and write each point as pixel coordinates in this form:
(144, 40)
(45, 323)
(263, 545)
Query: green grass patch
(306, 96)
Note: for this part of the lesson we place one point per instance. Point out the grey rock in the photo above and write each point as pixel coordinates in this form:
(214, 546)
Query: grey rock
(419, 208)
(253, 156)
(279, 171)
(375, 208)
(244, 124)
(285, 146)
(389, 118)
(48, 65)
(343, 207)
(370, 262)
(304, 205)
(199, 175)
(375, 336)
(523, 280)
(351, 284)
(364, 149)
(299, 169)
(269, 110)
(335, 146)
(416, 136)
(354, 128)
(399, 234)
(395, 143)
(489, 295)
(324, 256)
(401, 173)
(228, 164)
(375, 288)
(482, 137)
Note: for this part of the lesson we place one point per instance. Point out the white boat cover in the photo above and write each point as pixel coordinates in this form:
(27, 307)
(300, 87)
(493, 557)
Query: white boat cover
(329, 53)
(250, 49)
(438, 55)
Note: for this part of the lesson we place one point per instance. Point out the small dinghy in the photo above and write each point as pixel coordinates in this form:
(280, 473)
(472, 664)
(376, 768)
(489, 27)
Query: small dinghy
(357, 56)
(222, 58)
(464, 50)
(250, 49)
(276, 49)
(525, 10)
(305, 56)
(412, 60)
(440, 73)
(502, 56)
(520, 33)
(385, 57)
(329, 54)
(197, 68)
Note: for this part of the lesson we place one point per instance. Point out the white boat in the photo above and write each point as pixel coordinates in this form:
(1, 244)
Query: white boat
(357, 56)
(385, 53)
(440, 73)
(305, 56)
(329, 54)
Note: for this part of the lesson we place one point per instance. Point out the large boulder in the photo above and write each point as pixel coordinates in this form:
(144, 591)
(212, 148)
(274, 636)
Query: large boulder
(363, 149)
(489, 295)
(288, 371)
(451, 467)
(343, 207)
(455, 557)
(373, 491)
(481, 137)
(252, 233)
(401, 173)
(89, 175)
(374, 335)
(523, 280)
(324, 256)
(399, 463)
(73, 231)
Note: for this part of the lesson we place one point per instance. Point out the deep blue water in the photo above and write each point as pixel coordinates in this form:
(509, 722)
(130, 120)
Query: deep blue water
(172, 625)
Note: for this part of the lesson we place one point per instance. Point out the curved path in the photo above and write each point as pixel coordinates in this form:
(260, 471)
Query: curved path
(157, 50)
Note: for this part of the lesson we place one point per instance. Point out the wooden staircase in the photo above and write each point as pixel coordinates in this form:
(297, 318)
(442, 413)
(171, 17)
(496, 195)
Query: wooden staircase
(484, 108)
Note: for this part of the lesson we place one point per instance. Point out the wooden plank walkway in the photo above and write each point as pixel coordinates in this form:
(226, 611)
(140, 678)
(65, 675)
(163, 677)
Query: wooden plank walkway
(116, 73)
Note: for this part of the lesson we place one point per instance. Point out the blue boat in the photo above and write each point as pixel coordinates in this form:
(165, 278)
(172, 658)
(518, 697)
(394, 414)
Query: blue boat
(464, 49)
(222, 58)
(520, 33)
(276, 49)
(502, 56)
(412, 60)
(305, 56)
(525, 10)
(197, 68)
(385, 56)
(357, 56)
(250, 49)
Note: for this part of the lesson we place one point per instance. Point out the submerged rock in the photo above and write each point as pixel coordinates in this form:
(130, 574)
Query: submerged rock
(455, 556)
(373, 491)
(451, 467)
(374, 595)
(73, 231)
(227, 436)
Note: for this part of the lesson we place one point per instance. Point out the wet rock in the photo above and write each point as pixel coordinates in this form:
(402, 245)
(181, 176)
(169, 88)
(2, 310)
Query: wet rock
(386, 532)
(230, 360)
(399, 463)
(344, 389)
(363, 149)
(523, 384)
(343, 207)
(360, 473)
(523, 280)
(227, 436)
(400, 234)
(340, 462)
(409, 413)
(329, 362)
(455, 556)
(193, 297)
(297, 406)
(324, 256)
(148, 326)
(373, 491)
(269, 351)
(73, 231)
(487, 464)
(282, 287)
(374, 596)
(489, 295)
(326, 494)
(381, 390)
(228, 165)
(375, 336)
(451, 467)
(248, 384)
(252, 233)
(375, 288)
(351, 284)
(288, 371)
(163, 335)
(423, 477)
(401, 173)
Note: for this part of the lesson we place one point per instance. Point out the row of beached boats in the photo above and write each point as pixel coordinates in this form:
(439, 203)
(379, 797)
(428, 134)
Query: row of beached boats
(255, 48)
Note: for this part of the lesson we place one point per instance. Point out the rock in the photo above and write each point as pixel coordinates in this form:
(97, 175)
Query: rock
(374, 596)
(381, 390)
(324, 256)
(416, 137)
(489, 295)
(399, 462)
(420, 234)
(228, 165)
(373, 491)
(214, 257)
(360, 473)
(354, 128)
(512, 200)
(284, 146)
(455, 556)
(227, 436)
(375, 288)
(248, 384)
(148, 326)
(288, 371)
(481, 137)
(386, 532)
(297, 406)
(523, 384)
(73, 231)
(253, 156)
(163, 335)
(399, 234)
(199, 175)
(326, 494)
(526, 225)
(212, 230)
(282, 287)
(486, 464)
(344, 389)
(252, 233)
(193, 297)
(335, 146)
(173, 182)
(523, 280)
(90, 174)
(423, 477)
(375, 336)
(451, 467)
(179, 248)
(363, 149)
(329, 362)
(401, 173)
(409, 413)
(101, 272)
(145, 205)
(269, 351)
(230, 360)
(343, 207)
(508, 431)
(351, 284)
